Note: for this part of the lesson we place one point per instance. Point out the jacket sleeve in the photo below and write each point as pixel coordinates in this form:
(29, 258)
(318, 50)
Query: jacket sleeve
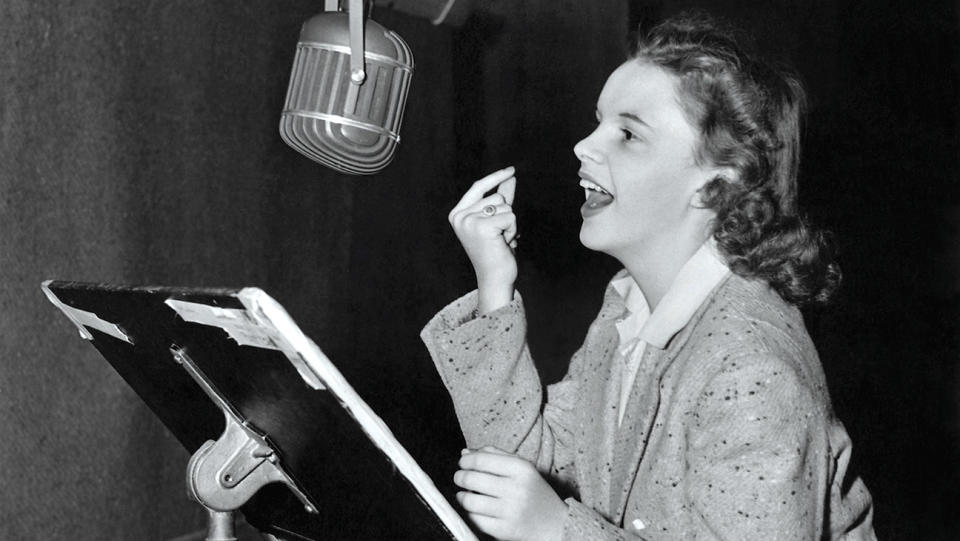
(486, 366)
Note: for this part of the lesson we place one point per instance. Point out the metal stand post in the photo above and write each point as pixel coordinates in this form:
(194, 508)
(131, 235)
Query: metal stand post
(220, 526)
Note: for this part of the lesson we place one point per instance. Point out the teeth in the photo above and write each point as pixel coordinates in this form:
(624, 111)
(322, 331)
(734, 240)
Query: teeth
(592, 186)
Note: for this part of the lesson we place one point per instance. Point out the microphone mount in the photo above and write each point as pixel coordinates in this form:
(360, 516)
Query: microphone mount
(347, 92)
(357, 18)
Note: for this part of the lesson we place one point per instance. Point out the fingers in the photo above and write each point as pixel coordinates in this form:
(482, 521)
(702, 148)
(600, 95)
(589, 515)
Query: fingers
(479, 482)
(495, 462)
(484, 185)
(491, 526)
(494, 450)
(458, 215)
(510, 234)
(491, 226)
(507, 189)
(487, 217)
(479, 504)
(506, 497)
(492, 208)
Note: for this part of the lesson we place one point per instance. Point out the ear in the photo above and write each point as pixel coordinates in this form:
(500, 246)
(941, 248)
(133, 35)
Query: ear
(722, 174)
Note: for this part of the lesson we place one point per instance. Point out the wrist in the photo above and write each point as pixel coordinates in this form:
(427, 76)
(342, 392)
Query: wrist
(492, 297)
(561, 510)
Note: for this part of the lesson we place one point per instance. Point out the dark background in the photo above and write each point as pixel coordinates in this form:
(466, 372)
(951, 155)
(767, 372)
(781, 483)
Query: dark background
(139, 145)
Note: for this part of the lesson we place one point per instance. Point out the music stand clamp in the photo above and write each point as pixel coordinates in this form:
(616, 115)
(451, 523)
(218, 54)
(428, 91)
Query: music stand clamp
(223, 475)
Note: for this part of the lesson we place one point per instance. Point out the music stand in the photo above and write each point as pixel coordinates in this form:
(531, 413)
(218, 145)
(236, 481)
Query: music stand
(255, 401)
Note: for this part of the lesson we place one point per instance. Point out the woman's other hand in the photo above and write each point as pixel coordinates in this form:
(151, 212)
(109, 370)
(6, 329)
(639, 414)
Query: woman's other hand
(487, 229)
(506, 497)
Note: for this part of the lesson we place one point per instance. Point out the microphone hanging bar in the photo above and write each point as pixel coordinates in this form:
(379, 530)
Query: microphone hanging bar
(357, 74)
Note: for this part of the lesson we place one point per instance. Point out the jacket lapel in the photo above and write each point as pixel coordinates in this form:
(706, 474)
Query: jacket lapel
(598, 416)
(630, 440)
(643, 405)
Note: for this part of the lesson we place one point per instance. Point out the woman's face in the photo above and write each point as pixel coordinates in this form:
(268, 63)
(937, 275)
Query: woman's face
(638, 167)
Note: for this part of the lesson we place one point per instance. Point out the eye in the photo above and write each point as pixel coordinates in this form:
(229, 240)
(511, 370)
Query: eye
(627, 134)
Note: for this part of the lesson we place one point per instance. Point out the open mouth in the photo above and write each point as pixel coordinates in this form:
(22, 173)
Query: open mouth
(590, 186)
(596, 196)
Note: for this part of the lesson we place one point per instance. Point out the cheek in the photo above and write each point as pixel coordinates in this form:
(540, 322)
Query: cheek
(650, 194)
(664, 188)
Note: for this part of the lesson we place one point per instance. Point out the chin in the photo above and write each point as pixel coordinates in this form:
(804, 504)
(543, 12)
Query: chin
(603, 240)
(589, 240)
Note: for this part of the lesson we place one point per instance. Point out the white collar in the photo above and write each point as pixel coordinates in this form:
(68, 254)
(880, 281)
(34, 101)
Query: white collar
(696, 279)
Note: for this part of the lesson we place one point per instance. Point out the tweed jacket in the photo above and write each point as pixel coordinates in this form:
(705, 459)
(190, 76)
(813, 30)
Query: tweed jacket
(728, 431)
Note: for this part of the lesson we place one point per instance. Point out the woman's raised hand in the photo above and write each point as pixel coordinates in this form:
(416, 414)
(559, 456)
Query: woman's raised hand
(487, 229)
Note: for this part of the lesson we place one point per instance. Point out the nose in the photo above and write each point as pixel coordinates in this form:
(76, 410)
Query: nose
(586, 150)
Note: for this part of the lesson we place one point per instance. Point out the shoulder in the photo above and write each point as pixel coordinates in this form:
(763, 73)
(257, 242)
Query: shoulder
(746, 331)
(750, 317)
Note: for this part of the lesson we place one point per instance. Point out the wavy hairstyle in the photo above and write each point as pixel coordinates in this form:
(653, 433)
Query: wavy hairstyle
(748, 113)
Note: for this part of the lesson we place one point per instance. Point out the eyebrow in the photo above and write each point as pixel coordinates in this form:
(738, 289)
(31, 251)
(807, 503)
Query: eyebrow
(633, 117)
(629, 116)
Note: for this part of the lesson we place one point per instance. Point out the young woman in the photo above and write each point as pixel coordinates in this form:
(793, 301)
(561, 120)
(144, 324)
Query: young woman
(696, 407)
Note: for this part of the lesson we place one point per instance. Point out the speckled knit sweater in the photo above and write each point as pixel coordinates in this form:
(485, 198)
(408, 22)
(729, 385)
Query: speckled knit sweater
(728, 431)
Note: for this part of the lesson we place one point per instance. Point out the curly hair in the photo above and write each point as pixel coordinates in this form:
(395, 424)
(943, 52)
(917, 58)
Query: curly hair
(748, 113)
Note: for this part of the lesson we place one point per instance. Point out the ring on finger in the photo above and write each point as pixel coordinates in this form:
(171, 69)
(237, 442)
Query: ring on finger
(489, 210)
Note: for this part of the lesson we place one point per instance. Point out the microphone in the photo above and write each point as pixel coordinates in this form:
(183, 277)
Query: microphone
(347, 91)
